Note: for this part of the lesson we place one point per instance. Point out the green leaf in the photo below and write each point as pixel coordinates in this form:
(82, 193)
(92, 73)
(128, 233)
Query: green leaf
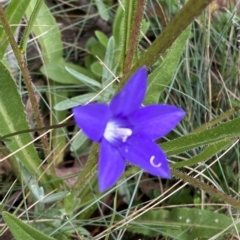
(13, 118)
(57, 72)
(46, 29)
(221, 132)
(97, 69)
(55, 197)
(78, 142)
(97, 49)
(222, 117)
(47, 33)
(183, 223)
(162, 76)
(86, 80)
(102, 10)
(32, 182)
(212, 149)
(206, 154)
(14, 14)
(118, 27)
(102, 38)
(107, 74)
(75, 101)
(144, 28)
(57, 136)
(21, 230)
(179, 23)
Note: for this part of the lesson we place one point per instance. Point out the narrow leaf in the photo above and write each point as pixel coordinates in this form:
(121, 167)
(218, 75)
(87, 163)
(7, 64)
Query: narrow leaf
(21, 230)
(183, 223)
(75, 101)
(14, 13)
(162, 76)
(186, 15)
(221, 132)
(55, 197)
(78, 142)
(206, 154)
(13, 118)
(57, 72)
(107, 74)
(102, 10)
(46, 29)
(84, 79)
(102, 38)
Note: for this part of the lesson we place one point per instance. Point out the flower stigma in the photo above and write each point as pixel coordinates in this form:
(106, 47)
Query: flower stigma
(154, 164)
(113, 131)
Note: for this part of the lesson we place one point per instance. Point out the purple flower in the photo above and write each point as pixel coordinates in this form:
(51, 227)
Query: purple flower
(126, 131)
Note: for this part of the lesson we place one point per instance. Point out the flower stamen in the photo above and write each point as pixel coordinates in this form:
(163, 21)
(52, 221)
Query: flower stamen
(112, 131)
(123, 133)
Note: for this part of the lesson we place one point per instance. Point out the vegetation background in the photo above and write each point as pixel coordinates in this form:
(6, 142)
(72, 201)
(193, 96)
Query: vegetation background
(57, 54)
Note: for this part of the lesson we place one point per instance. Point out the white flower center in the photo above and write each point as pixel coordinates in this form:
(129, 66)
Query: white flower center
(113, 131)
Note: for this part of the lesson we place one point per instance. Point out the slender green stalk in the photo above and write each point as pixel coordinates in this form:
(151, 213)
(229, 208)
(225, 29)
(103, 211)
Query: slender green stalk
(113, 214)
(126, 29)
(186, 15)
(26, 76)
(87, 172)
(213, 122)
(134, 35)
(203, 186)
(60, 125)
(24, 40)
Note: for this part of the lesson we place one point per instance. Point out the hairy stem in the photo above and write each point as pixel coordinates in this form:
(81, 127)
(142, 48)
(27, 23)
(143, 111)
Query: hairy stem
(87, 172)
(134, 35)
(203, 186)
(26, 76)
(186, 15)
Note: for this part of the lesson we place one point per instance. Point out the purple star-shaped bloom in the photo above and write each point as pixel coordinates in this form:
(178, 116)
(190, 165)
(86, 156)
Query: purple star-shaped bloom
(127, 131)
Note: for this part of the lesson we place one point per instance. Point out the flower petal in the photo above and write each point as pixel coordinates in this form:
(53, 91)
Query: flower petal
(132, 94)
(111, 166)
(155, 121)
(92, 119)
(146, 155)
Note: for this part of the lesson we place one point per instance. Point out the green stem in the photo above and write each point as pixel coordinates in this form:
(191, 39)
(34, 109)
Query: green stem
(133, 37)
(186, 15)
(26, 76)
(87, 172)
(206, 154)
(213, 122)
(211, 190)
(24, 40)
(70, 123)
